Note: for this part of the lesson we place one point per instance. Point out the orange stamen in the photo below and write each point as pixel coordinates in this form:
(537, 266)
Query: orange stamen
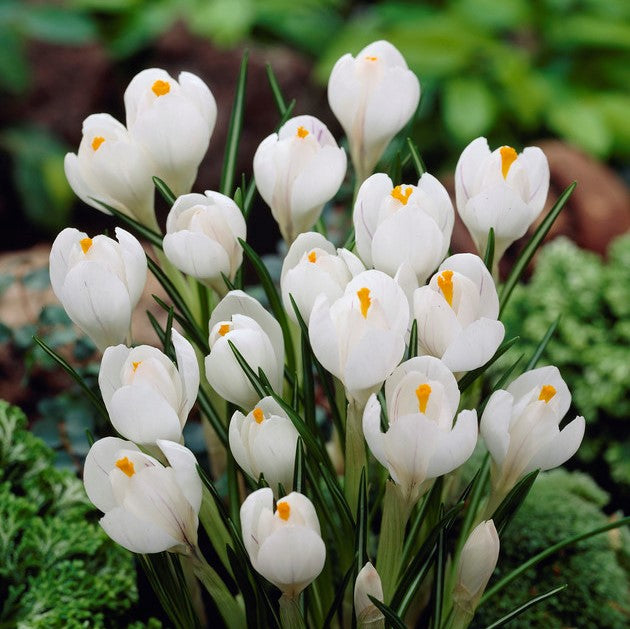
(258, 415)
(126, 466)
(283, 509)
(445, 284)
(97, 141)
(85, 243)
(508, 157)
(422, 393)
(546, 393)
(401, 196)
(364, 299)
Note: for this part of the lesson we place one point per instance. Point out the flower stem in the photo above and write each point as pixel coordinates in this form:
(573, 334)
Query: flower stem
(355, 453)
(290, 614)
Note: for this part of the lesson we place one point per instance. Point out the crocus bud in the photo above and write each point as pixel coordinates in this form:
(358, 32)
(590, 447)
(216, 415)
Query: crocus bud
(201, 237)
(503, 190)
(285, 544)
(313, 267)
(264, 442)
(520, 427)
(457, 314)
(421, 442)
(111, 167)
(241, 320)
(148, 508)
(373, 95)
(98, 281)
(173, 120)
(368, 583)
(146, 395)
(360, 338)
(476, 565)
(297, 171)
(403, 224)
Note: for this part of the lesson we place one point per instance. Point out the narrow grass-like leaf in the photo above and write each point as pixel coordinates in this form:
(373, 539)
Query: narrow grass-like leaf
(362, 531)
(169, 350)
(190, 329)
(298, 467)
(275, 89)
(65, 365)
(232, 485)
(391, 618)
(504, 513)
(488, 258)
(505, 376)
(519, 610)
(533, 361)
(415, 158)
(234, 131)
(308, 385)
(274, 301)
(471, 376)
(533, 244)
(253, 378)
(350, 240)
(145, 232)
(412, 350)
(244, 584)
(287, 114)
(337, 496)
(339, 596)
(89, 436)
(212, 416)
(164, 190)
(395, 169)
(226, 281)
(248, 199)
(438, 580)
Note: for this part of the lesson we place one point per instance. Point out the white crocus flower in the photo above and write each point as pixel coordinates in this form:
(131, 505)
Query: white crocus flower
(313, 267)
(457, 314)
(111, 167)
(500, 189)
(98, 281)
(240, 319)
(173, 120)
(201, 237)
(373, 95)
(476, 565)
(403, 224)
(148, 508)
(297, 171)
(360, 337)
(368, 583)
(285, 544)
(520, 427)
(421, 442)
(146, 395)
(264, 442)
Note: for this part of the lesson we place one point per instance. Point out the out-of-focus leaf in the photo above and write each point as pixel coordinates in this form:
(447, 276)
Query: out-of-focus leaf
(14, 71)
(58, 25)
(225, 22)
(469, 108)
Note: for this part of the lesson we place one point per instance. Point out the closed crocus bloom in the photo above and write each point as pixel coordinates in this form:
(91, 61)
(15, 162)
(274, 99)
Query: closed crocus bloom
(373, 95)
(146, 395)
(111, 167)
(148, 508)
(240, 319)
(98, 281)
(313, 267)
(173, 120)
(368, 583)
(421, 442)
(500, 189)
(476, 565)
(403, 224)
(297, 171)
(520, 427)
(360, 337)
(457, 314)
(285, 544)
(264, 442)
(201, 237)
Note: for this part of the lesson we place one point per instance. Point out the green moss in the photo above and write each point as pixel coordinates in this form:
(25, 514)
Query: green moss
(562, 504)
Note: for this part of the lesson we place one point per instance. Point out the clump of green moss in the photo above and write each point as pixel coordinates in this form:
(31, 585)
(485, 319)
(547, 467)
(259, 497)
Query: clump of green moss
(562, 504)
(57, 566)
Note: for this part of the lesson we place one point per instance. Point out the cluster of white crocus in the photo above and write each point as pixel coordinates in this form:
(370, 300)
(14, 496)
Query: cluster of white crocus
(148, 508)
(201, 239)
(264, 442)
(421, 442)
(297, 171)
(284, 544)
(169, 124)
(99, 282)
(146, 395)
(521, 427)
(457, 314)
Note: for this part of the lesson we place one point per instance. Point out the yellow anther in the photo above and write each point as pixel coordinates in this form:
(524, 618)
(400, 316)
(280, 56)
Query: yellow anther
(401, 196)
(547, 392)
(258, 415)
(283, 509)
(371, 58)
(126, 466)
(312, 257)
(224, 329)
(85, 243)
(301, 132)
(364, 299)
(135, 365)
(161, 87)
(445, 284)
(97, 141)
(508, 157)
(423, 393)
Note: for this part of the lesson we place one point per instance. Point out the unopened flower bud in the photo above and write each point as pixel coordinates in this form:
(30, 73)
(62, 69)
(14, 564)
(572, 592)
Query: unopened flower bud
(368, 584)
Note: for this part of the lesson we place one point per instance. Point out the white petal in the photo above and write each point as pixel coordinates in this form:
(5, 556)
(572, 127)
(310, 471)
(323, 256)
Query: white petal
(372, 429)
(534, 378)
(274, 451)
(454, 448)
(467, 168)
(495, 423)
(184, 464)
(536, 167)
(109, 372)
(250, 513)
(474, 346)
(237, 447)
(323, 336)
(561, 448)
(135, 262)
(188, 369)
